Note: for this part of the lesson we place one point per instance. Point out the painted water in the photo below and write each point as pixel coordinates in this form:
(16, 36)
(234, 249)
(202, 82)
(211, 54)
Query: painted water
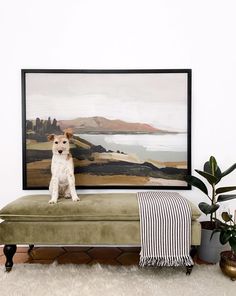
(160, 147)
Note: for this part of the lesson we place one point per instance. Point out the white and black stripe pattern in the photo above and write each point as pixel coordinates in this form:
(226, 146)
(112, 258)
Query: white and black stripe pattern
(165, 226)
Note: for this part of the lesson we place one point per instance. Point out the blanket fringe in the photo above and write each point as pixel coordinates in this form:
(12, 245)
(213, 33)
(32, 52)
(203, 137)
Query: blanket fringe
(166, 261)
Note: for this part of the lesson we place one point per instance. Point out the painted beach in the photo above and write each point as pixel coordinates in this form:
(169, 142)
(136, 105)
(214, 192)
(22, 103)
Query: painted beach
(108, 158)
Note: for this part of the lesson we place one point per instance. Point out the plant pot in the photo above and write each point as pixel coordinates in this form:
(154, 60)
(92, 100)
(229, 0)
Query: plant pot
(210, 249)
(228, 264)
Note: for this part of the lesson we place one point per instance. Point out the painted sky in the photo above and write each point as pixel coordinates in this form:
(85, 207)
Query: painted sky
(156, 99)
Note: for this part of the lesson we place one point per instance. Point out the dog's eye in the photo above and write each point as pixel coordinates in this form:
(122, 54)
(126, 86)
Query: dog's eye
(64, 142)
(56, 142)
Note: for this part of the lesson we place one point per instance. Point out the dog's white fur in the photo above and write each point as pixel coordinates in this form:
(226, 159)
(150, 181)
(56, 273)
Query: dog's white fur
(63, 180)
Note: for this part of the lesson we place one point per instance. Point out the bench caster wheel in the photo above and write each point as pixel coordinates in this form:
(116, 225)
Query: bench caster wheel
(189, 269)
(8, 269)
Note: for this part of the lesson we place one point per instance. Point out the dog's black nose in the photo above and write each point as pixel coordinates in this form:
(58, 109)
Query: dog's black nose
(60, 151)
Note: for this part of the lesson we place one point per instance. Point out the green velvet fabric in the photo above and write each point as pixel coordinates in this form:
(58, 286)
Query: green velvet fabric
(98, 219)
(91, 207)
(78, 233)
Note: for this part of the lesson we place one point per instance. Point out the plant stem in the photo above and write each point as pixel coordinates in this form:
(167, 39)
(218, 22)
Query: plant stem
(213, 201)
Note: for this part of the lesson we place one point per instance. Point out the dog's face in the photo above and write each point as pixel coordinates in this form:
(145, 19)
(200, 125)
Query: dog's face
(61, 144)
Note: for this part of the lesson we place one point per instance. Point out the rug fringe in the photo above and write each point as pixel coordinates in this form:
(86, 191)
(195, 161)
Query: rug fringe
(166, 261)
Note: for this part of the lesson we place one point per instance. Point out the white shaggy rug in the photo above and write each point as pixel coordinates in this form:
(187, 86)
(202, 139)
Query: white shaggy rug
(97, 280)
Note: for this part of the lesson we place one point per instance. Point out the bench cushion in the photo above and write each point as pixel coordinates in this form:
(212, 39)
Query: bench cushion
(91, 207)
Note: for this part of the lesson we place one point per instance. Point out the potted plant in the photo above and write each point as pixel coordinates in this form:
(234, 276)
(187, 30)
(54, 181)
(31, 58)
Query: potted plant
(210, 249)
(227, 230)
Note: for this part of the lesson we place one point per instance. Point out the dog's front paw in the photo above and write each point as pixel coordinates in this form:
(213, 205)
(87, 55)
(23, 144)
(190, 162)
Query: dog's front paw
(75, 198)
(52, 201)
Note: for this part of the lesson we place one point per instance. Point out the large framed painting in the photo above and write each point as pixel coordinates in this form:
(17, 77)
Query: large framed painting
(131, 128)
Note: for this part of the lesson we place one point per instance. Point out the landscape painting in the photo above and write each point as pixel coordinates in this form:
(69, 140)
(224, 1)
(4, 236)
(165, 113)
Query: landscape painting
(131, 128)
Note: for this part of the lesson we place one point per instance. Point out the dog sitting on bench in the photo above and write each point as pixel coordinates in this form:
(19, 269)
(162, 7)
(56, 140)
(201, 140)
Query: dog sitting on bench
(63, 180)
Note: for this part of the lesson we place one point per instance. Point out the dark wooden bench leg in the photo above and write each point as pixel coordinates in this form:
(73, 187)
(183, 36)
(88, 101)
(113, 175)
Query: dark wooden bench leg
(9, 251)
(193, 252)
(30, 248)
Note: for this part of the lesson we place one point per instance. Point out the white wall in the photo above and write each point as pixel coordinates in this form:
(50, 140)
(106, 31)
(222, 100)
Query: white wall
(108, 34)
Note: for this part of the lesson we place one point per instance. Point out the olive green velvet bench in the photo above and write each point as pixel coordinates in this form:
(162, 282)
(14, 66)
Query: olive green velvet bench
(110, 219)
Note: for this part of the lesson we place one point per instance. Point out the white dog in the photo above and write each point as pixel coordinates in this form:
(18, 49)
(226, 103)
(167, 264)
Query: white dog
(63, 180)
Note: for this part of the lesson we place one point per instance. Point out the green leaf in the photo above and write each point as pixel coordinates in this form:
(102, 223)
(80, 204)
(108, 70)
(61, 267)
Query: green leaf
(194, 181)
(210, 178)
(225, 189)
(216, 171)
(224, 237)
(232, 242)
(229, 170)
(213, 165)
(225, 197)
(226, 217)
(207, 167)
(208, 209)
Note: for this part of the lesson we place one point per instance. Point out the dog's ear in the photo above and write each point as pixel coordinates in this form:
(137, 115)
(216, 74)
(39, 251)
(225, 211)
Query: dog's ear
(68, 135)
(51, 137)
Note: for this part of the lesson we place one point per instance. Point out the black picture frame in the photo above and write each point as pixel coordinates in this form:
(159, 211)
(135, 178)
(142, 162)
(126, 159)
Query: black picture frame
(33, 154)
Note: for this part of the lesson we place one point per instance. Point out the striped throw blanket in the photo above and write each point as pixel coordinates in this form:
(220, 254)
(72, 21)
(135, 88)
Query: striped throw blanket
(165, 225)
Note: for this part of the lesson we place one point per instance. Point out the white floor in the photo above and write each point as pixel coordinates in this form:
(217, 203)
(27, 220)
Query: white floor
(85, 280)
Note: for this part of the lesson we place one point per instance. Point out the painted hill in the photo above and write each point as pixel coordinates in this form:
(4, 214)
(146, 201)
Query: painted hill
(103, 125)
